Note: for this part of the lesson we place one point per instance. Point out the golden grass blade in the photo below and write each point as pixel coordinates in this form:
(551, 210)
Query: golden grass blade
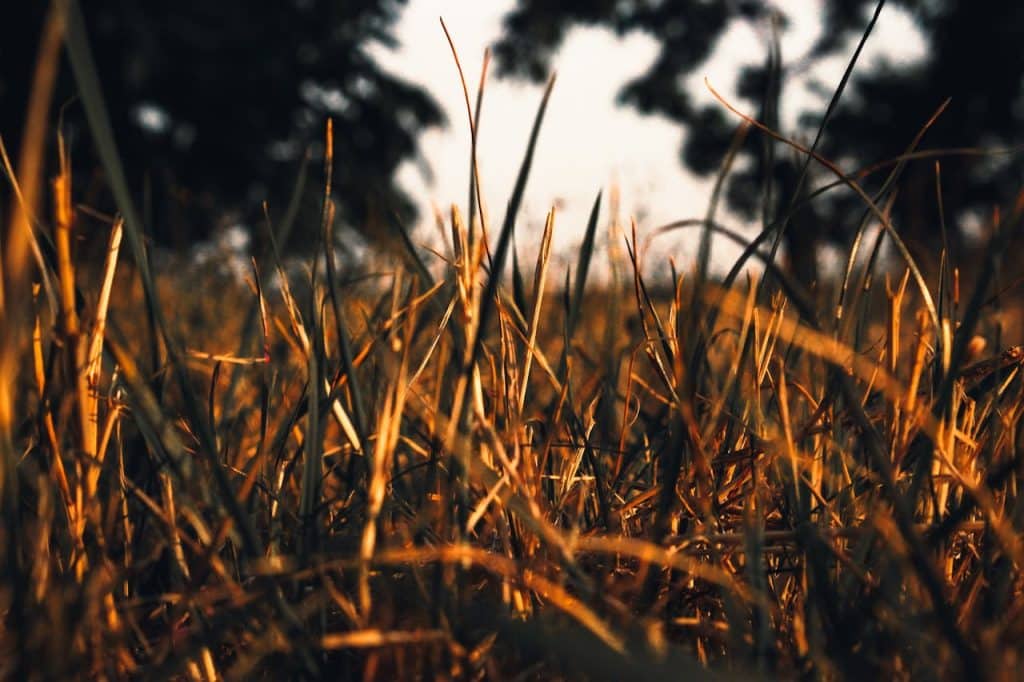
(94, 364)
(21, 235)
(539, 283)
(374, 638)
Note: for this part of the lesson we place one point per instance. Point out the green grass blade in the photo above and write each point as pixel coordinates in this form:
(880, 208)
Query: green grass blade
(507, 228)
(409, 253)
(583, 266)
(312, 461)
(89, 89)
(518, 285)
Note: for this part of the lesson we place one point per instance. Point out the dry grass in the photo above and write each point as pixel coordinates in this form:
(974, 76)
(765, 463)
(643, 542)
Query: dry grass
(768, 497)
(472, 479)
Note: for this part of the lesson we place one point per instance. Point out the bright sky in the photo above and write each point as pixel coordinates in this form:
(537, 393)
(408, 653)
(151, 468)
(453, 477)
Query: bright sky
(587, 143)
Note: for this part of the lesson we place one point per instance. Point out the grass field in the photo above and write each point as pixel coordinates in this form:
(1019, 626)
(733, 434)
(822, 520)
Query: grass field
(487, 477)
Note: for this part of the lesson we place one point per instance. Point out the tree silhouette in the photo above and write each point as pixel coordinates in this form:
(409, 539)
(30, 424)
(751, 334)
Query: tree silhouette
(973, 57)
(215, 103)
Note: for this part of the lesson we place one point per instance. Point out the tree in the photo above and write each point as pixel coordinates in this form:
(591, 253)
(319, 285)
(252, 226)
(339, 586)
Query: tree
(215, 103)
(974, 58)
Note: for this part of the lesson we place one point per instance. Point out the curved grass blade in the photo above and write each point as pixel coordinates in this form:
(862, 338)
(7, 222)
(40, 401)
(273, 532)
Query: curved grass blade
(474, 127)
(887, 190)
(832, 105)
(852, 183)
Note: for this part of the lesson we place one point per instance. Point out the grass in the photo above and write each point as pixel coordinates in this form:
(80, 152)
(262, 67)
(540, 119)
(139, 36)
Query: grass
(489, 477)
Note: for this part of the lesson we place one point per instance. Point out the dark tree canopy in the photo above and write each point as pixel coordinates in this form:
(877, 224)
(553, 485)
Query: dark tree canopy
(974, 58)
(217, 101)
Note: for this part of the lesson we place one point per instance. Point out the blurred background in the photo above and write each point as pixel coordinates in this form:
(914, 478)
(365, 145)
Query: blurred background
(216, 104)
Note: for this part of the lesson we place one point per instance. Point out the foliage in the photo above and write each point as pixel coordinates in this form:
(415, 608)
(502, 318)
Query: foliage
(198, 91)
(973, 58)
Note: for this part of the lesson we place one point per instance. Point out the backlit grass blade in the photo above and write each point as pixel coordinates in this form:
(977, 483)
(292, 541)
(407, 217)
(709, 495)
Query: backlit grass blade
(871, 204)
(518, 285)
(832, 105)
(333, 288)
(888, 190)
(507, 228)
(583, 267)
(409, 253)
(474, 128)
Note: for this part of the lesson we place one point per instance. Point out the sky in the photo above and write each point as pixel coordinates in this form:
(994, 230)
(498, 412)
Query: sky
(587, 142)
